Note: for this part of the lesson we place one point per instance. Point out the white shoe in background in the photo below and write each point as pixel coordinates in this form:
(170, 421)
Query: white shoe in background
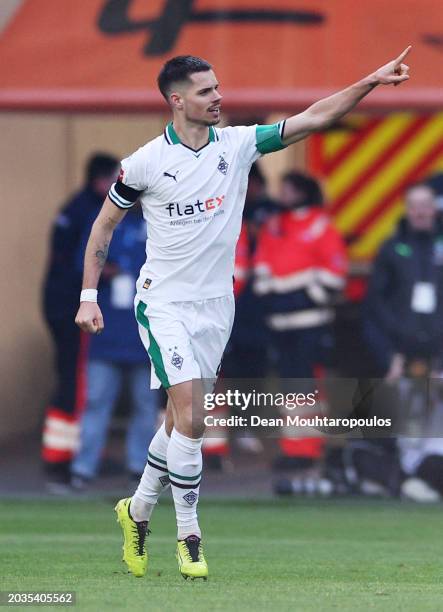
(249, 444)
(418, 490)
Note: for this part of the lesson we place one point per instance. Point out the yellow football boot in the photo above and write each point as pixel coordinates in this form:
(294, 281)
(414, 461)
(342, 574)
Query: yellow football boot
(191, 560)
(134, 535)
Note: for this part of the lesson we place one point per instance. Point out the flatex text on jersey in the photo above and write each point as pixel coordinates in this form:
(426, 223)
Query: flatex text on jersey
(179, 209)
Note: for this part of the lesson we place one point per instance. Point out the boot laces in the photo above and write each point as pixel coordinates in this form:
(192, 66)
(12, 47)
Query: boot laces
(193, 548)
(140, 530)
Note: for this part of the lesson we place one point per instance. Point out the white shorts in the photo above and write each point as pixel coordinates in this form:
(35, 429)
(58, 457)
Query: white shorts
(184, 340)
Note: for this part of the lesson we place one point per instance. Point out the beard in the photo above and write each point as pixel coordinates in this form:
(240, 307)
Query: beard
(204, 121)
(207, 122)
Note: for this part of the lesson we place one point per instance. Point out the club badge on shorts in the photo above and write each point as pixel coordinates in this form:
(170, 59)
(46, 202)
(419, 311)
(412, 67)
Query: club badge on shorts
(177, 361)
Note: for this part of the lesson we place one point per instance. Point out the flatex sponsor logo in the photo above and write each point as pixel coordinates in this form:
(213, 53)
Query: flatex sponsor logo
(181, 209)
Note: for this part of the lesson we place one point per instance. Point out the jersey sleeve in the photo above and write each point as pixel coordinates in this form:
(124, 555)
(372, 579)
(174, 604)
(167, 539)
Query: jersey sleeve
(257, 140)
(132, 180)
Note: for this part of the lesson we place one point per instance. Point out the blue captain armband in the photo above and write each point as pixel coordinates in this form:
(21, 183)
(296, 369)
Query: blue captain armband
(269, 138)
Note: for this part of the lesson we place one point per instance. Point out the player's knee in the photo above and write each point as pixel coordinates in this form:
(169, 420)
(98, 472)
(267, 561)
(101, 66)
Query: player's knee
(189, 422)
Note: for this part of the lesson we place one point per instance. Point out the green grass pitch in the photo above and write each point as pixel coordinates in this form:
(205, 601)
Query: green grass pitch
(282, 555)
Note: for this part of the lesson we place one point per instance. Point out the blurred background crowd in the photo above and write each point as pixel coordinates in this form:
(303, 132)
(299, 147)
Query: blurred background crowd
(302, 313)
(339, 265)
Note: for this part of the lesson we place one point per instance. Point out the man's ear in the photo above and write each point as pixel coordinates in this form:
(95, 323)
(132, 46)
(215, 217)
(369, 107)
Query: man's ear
(176, 100)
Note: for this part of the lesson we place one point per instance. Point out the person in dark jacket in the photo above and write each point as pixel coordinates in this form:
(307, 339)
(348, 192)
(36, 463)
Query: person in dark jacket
(117, 355)
(404, 307)
(61, 289)
(404, 329)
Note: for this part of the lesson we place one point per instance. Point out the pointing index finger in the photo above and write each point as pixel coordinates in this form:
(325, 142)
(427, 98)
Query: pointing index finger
(402, 56)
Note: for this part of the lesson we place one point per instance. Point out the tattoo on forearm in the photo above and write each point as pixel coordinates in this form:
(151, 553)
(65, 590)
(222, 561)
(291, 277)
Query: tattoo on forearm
(102, 255)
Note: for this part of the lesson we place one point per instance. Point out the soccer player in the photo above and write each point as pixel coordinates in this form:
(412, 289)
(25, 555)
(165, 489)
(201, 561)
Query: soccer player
(191, 182)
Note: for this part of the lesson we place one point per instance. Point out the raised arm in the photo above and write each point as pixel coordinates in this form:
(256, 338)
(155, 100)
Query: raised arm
(89, 317)
(327, 111)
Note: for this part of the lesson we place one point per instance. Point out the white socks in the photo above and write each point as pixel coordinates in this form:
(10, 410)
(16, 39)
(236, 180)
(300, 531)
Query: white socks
(154, 480)
(184, 459)
(178, 460)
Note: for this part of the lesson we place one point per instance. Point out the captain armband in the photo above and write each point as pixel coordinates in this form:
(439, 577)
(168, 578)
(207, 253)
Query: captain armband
(123, 196)
(269, 138)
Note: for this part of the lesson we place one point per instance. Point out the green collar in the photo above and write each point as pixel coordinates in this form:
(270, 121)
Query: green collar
(172, 137)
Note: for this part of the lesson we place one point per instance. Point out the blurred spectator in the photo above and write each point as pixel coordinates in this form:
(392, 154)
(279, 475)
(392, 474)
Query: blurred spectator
(258, 205)
(246, 355)
(61, 292)
(300, 267)
(404, 309)
(115, 355)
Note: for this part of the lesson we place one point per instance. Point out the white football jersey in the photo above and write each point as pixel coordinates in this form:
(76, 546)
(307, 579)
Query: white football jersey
(193, 204)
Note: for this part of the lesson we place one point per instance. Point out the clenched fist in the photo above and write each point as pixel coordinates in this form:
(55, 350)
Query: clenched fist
(89, 318)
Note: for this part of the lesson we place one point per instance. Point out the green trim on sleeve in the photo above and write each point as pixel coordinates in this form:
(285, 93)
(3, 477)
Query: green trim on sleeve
(268, 138)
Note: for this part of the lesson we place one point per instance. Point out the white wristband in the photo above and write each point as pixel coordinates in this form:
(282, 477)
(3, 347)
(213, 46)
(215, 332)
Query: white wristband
(88, 295)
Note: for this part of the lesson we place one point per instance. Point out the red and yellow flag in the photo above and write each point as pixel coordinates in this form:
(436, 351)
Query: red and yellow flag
(366, 165)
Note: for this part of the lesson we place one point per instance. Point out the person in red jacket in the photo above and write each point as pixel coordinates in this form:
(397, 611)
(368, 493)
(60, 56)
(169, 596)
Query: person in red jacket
(300, 266)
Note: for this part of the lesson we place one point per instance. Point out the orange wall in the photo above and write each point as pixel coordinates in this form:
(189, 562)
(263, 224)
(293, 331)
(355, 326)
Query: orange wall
(98, 56)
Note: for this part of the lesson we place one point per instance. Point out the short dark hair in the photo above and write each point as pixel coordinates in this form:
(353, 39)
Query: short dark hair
(178, 69)
(306, 184)
(100, 165)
